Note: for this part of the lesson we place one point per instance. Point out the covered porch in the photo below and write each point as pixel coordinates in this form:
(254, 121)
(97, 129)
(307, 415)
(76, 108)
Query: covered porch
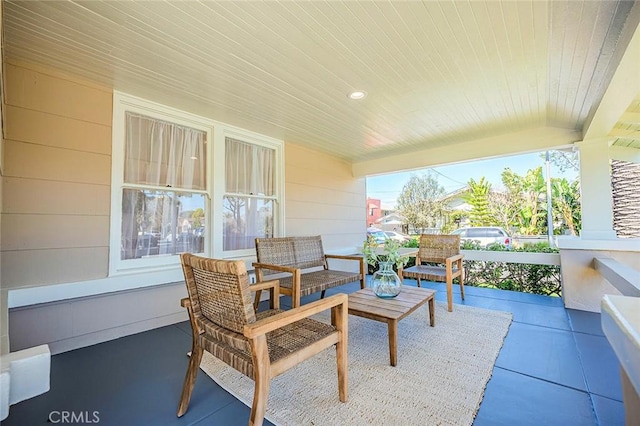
(442, 89)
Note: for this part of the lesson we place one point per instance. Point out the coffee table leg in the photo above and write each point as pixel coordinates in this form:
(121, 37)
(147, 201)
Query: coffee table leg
(432, 312)
(392, 325)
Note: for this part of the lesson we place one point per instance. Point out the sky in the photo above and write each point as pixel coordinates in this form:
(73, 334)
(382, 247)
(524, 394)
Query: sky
(451, 178)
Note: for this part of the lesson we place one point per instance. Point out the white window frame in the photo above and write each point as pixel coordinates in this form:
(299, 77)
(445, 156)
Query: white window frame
(220, 187)
(215, 184)
(123, 103)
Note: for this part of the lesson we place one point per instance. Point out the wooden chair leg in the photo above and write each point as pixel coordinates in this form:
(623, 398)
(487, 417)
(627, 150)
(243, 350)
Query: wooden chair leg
(260, 396)
(295, 289)
(418, 279)
(461, 278)
(257, 300)
(190, 379)
(449, 294)
(340, 320)
(262, 378)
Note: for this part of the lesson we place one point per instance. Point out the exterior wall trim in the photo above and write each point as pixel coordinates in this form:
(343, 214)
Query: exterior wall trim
(85, 321)
(58, 292)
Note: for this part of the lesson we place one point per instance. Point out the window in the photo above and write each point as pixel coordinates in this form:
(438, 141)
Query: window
(476, 232)
(495, 233)
(249, 194)
(164, 188)
(164, 191)
(160, 185)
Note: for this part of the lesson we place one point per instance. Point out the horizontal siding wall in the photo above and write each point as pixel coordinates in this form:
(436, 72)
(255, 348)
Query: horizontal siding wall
(86, 321)
(56, 181)
(56, 206)
(55, 210)
(322, 197)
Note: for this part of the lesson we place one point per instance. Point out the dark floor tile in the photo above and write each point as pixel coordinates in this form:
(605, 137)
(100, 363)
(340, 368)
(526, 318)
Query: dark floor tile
(600, 364)
(608, 411)
(494, 293)
(544, 353)
(235, 414)
(545, 314)
(515, 399)
(347, 288)
(585, 322)
(526, 313)
(129, 381)
(184, 326)
(515, 296)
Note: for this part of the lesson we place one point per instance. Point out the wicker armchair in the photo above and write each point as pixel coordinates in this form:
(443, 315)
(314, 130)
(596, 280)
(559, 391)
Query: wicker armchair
(445, 251)
(260, 345)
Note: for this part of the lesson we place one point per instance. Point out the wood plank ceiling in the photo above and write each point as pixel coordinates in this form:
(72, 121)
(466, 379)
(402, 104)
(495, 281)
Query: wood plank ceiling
(436, 73)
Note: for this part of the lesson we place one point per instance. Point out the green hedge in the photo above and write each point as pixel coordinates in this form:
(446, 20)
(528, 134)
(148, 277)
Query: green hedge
(528, 278)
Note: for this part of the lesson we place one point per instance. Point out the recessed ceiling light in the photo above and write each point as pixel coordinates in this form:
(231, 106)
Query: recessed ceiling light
(357, 95)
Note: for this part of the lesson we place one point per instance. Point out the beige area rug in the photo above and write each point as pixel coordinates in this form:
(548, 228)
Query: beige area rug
(440, 378)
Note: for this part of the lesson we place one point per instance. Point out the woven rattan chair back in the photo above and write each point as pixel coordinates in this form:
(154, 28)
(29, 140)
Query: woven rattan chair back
(219, 291)
(437, 248)
(294, 252)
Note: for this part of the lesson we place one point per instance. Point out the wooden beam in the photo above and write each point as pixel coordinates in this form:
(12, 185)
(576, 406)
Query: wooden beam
(624, 87)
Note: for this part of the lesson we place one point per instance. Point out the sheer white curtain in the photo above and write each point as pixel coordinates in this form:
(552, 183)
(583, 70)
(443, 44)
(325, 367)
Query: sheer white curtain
(163, 154)
(249, 168)
(171, 160)
(249, 184)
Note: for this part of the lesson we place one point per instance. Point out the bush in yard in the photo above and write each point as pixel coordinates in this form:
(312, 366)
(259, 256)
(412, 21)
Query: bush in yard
(528, 278)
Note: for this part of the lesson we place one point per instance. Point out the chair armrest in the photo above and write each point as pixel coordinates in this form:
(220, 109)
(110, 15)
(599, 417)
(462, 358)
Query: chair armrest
(344, 257)
(185, 303)
(280, 268)
(263, 285)
(275, 322)
(454, 259)
(274, 290)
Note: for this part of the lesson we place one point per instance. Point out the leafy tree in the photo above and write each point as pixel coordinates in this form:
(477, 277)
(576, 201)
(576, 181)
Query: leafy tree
(503, 206)
(420, 201)
(478, 198)
(527, 192)
(197, 215)
(563, 160)
(566, 204)
(454, 218)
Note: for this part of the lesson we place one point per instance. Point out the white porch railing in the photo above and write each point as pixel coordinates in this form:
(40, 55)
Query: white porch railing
(625, 279)
(512, 257)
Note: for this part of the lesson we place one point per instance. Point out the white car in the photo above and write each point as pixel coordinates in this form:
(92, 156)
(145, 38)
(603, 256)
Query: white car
(393, 235)
(484, 235)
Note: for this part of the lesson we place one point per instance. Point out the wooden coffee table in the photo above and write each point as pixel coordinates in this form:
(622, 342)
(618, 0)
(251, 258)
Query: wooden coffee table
(364, 303)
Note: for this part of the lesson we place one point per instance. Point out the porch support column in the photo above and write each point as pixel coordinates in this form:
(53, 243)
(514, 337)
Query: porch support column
(595, 188)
